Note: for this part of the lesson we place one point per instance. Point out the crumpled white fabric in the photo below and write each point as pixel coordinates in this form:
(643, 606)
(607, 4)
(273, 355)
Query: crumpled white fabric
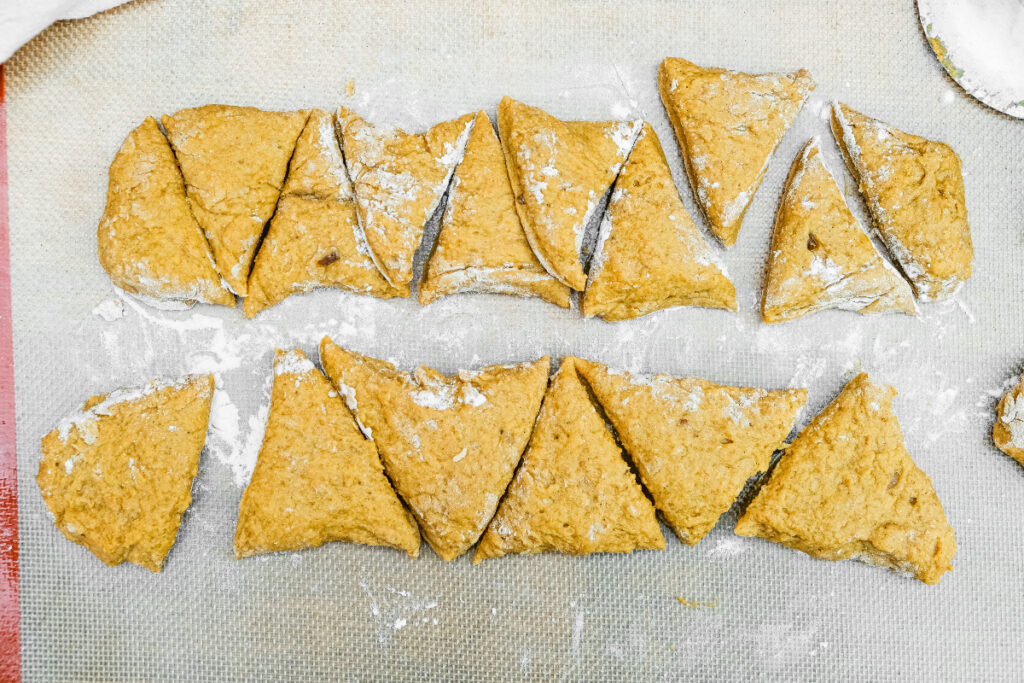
(21, 20)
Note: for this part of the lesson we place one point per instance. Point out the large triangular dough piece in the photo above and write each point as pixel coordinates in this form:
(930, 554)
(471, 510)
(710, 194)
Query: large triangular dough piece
(148, 241)
(649, 254)
(559, 171)
(234, 161)
(399, 181)
(846, 488)
(117, 475)
(695, 443)
(314, 238)
(820, 256)
(449, 444)
(915, 190)
(317, 478)
(573, 493)
(728, 125)
(481, 246)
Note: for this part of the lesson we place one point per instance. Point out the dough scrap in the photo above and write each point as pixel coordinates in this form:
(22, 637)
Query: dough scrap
(914, 188)
(117, 475)
(234, 161)
(481, 246)
(148, 241)
(1008, 429)
(695, 443)
(560, 171)
(820, 255)
(317, 478)
(399, 180)
(314, 239)
(728, 125)
(649, 254)
(846, 488)
(449, 444)
(573, 493)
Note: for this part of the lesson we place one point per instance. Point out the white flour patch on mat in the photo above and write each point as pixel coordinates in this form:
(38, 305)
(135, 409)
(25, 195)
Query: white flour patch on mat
(109, 309)
(394, 609)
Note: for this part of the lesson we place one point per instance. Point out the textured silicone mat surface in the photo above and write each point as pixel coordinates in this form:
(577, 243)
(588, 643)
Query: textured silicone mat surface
(353, 612)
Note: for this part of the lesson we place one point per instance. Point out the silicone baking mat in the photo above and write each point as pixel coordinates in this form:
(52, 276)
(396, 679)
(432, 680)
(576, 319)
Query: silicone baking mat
(345, 611)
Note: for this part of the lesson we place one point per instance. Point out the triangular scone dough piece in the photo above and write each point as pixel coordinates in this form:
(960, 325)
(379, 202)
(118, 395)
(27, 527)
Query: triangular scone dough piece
(559, 172)
(1008, 430)
(148, 241)
(449, 444)
(481, 246)
(234, 160)
(728, 125)
(820, 256)
(317, 478)
(117, 475)
(399, 181)
(846, 488)
(649, 253)
(695, 443)
(915, 190)
(314, 238)
(573, 493)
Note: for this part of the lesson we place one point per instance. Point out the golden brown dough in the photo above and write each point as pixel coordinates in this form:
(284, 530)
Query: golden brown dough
(650, 255)
(117, 475)
(449, 444)
(573, 493)
(1008, 429)
(728, 125)
(148, 241)
(695, 443)
(317, 478)
(234, 161)
(915, 190)
(847, 489)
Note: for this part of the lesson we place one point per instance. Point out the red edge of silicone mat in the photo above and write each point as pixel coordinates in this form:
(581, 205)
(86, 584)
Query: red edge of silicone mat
(10, 619)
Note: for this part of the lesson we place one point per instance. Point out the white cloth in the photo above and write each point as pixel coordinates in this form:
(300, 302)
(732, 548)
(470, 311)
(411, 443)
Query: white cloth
(21, 20)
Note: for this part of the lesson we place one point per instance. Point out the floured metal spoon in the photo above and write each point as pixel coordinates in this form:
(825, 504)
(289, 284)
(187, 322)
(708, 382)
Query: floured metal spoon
(980, 43)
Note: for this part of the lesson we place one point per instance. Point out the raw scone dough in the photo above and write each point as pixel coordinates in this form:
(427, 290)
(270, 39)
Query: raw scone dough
(234, 161)
(728, 124)
(649, 253)
(1008, 430)
(399, 181)
(573, 493)
(317, 479)
(695, 443)
(314, 238)
(481, 246)
(847, 489)
(117, 475)
(449, 444)
(148, 241)
(915, 191)
(559, 171)
(820, 255)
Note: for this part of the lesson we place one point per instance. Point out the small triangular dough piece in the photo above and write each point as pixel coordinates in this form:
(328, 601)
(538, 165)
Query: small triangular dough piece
(728, 125)
(560, 171)
(314, 238)
(1008, 429)
(148, 241)
(820, 255)
(914, 188)
(650, 254)
(234, 161)
(574, 492)
(449, 444)
(117, 475)
(399, 179)
(481, 246)
(317, 478)
(695, 443)
(846, 488)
